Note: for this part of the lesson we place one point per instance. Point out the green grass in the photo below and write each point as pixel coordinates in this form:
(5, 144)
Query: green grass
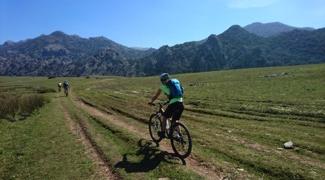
(238, 118)
(42, 147)
(130, 155)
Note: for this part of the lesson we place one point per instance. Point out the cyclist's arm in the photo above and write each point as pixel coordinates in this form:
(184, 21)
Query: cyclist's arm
(156, 95)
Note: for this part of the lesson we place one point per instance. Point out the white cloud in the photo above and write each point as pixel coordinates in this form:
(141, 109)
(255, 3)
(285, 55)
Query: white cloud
(243, 4)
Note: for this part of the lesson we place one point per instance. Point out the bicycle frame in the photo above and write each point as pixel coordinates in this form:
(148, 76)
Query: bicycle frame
(175, 132)
(169, 121)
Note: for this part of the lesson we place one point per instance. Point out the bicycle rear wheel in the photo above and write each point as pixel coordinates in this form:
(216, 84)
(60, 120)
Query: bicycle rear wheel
(155, 127)
(181, 140)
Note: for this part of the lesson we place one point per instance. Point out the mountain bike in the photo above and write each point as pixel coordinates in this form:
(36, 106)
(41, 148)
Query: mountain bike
(178, 133)
(66, 91)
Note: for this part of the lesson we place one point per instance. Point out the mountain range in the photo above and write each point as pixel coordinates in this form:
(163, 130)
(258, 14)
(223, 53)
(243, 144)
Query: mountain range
(271, 29)
(59, 54)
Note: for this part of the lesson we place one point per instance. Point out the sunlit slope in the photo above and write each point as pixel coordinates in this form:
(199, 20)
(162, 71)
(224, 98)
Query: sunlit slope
(239, 119)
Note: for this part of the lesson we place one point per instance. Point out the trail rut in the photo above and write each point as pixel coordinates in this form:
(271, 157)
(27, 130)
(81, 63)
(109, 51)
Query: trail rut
(200, 168)
(78, 129)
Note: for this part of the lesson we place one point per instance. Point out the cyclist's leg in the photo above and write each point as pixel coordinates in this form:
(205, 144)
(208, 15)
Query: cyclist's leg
(179, 108)
(167, 114)
(177, 113)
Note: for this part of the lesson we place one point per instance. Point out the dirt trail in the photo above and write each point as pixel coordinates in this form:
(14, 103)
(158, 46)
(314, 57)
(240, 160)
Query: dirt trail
(102, 167)
(191, 163)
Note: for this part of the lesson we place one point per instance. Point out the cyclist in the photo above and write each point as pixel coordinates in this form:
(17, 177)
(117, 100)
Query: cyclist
(174, 91)
(59, 86)
(66, 87)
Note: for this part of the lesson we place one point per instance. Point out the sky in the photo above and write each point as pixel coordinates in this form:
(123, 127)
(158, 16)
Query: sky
(149, 23)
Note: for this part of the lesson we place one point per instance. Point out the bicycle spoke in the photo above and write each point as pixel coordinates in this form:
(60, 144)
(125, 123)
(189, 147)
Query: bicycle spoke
(181, 140)
(154, 128)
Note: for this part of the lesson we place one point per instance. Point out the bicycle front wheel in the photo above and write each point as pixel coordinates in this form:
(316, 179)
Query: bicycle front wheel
(181, 140)
(155, 127)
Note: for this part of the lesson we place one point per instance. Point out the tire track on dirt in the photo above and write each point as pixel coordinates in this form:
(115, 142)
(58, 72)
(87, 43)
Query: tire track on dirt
(78, 128)
(192, 163)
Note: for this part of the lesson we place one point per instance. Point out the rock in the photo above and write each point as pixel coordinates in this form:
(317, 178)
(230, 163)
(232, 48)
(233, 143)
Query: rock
(284, 74)
(288, 145)
(240, 169)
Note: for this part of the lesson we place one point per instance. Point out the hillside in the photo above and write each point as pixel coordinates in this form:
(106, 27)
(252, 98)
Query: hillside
(271, 29)
(237, 48)
(59, 54)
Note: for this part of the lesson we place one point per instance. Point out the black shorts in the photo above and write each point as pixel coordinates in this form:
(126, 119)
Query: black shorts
(174, 110)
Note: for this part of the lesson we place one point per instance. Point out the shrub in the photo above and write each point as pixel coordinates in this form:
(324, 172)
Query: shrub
(28, 103)
(9, 106)
(24, 105)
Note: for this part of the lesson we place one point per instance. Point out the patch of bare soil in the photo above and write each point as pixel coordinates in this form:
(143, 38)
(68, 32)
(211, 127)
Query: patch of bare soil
(78, 129)
(201, 168)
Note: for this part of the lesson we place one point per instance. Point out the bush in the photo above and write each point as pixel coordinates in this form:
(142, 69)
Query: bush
(42, 90)
(9, 106)
(28, 103)
(24, 105)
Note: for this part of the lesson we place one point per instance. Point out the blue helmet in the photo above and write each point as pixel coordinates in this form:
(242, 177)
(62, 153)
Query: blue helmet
(164, 77)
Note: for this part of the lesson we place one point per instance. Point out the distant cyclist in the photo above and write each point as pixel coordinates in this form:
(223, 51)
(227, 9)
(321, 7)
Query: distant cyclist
(173, 89)
(66, 87)
(59, 86)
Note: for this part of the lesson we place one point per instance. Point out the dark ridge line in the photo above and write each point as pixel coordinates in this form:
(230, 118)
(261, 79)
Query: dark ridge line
(277, 115)
(262, 119)
(274, 102)
(281, 174)
(276, 140)
(94, 106)
(306, 115)
(142, 120)
(112, 130)
(322, 120)
(200, 111)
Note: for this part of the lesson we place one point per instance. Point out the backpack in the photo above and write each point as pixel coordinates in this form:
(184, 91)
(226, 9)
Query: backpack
(176, 89)
(65, 84)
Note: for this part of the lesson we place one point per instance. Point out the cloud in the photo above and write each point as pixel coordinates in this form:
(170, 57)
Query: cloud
(243, 4)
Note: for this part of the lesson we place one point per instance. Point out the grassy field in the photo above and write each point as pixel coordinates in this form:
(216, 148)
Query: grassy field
(239, 120)
(41, 146)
